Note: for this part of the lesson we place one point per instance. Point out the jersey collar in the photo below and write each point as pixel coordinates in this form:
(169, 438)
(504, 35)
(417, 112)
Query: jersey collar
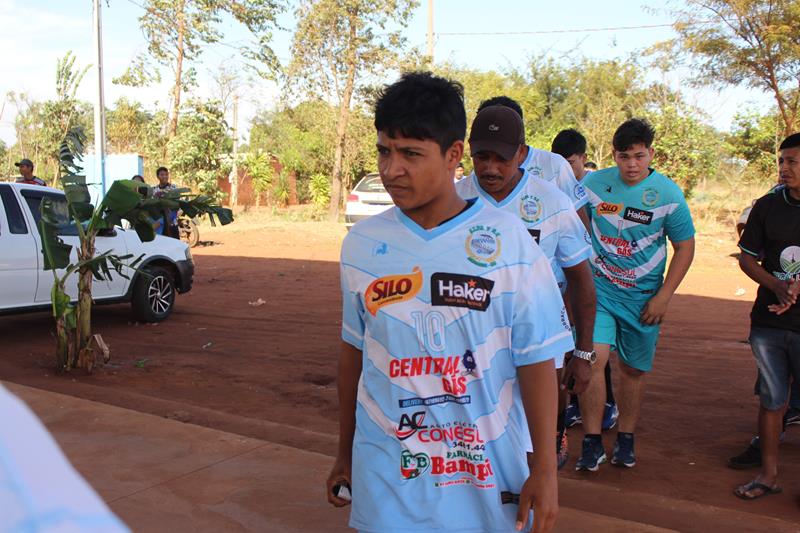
(429, 234)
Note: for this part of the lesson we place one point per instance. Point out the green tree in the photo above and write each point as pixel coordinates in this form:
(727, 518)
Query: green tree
(755, 138)
(195, 153)
(177, 30)
(746, 41)
(336, 47)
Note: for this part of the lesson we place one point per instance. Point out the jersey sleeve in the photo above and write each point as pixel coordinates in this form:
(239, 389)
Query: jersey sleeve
(678, 223)
(753, 236)
(569, 185)
(574, 244)
(540, 328)
(352, 306)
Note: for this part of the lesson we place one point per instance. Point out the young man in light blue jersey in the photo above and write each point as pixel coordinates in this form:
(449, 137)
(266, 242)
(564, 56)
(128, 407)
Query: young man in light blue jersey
(550, 218)
(546, 165)
(451, 321)
(634, 210)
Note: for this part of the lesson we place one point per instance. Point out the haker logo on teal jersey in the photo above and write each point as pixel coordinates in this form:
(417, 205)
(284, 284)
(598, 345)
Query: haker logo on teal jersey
(638, 215)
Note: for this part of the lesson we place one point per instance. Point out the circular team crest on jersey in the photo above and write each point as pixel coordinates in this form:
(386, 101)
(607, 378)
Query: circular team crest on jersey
(530, 208)
(580, 192)
(535, 170)
(790, 260)
(650, 197)
(483, 245)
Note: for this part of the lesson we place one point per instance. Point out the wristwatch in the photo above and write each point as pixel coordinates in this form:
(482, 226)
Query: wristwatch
(586, 356)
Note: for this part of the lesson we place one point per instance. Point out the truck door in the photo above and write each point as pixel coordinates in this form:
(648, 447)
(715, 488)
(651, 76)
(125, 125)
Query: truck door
(19, 257)
(69, 234)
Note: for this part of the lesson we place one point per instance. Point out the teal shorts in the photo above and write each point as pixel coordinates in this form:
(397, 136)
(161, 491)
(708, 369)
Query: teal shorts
(617, 324)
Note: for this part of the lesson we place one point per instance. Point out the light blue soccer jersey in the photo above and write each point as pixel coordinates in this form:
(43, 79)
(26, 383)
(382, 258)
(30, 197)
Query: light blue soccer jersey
(443, 319)
(630, 226)
(554, 168)
(549, 216)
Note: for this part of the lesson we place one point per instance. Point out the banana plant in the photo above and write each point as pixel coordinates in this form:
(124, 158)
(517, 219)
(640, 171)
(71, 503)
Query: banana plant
(125, 200)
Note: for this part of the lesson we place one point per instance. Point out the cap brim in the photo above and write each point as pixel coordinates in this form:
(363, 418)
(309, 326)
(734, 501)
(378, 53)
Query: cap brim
(504, 150)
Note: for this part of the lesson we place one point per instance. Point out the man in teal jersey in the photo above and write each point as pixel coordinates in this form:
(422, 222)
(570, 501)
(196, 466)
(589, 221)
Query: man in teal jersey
(633, 211)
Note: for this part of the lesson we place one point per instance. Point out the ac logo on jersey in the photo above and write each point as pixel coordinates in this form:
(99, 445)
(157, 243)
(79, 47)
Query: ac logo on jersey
(607, 208)
(456, 290)
(410, 424)
(637, 215)
(392, 289)
(483, 246)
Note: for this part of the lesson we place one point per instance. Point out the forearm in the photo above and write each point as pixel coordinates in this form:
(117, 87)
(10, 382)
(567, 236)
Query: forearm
(678, 267)
(583, 301)
(584, 216)
(538, 388)
(749, 265)
(347, 386)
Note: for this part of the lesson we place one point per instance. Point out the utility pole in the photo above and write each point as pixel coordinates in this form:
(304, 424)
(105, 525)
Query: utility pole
(235, 170)
(100, 104)
(430, 30)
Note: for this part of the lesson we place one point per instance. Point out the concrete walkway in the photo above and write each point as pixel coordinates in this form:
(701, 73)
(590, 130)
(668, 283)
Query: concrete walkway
(160, 475)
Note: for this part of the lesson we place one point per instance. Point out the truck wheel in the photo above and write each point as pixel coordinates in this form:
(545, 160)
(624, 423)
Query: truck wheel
(153, 295)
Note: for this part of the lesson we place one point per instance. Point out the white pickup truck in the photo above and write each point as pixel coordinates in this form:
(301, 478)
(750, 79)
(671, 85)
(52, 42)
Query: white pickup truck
(25, 285)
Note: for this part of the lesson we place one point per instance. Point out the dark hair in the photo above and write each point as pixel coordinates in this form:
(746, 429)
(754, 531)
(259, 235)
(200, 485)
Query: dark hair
(792, 141)
(568, 143)
(159, 169)
(590, 164)
(633, 131)
(423, 106)
(137, 177)
(460, 165)
(504, 101)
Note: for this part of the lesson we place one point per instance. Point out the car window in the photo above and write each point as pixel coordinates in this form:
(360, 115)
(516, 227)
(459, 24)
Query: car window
(371, 183)
(16, 222)
(65, 224)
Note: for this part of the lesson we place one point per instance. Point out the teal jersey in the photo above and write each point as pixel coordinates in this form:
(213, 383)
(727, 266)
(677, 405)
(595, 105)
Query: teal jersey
(630, 226)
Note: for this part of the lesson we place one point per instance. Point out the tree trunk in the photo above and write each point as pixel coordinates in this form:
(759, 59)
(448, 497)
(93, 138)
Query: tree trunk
(176, 94)
(84, 310)
(291, 177)
(341, 126)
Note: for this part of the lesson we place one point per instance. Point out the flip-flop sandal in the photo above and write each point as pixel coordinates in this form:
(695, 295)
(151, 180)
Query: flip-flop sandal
(766, 490)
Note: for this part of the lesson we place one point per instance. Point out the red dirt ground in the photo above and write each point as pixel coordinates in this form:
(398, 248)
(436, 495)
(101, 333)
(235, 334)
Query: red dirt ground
(268, 371)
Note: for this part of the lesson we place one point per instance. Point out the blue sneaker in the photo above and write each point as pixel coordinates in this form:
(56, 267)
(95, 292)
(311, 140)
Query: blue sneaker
(592, 456)
(623, 451)
(610, 415)
(572, 415)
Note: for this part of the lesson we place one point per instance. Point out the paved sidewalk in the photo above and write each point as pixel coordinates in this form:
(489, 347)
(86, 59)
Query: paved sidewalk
(160, 475)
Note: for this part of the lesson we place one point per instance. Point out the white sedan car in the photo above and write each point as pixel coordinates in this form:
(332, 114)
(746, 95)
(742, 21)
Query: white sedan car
(367, 198)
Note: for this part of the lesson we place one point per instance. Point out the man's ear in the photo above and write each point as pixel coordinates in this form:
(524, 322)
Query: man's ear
(454, 154)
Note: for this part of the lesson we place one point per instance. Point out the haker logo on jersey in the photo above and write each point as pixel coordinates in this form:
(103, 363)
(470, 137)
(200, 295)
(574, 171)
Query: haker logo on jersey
(638, 215)
(410, 424)
(607, 208)
(392, 289)
(456, 290)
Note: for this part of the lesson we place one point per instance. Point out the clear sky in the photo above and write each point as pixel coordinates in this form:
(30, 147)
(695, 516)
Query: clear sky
(34, 33)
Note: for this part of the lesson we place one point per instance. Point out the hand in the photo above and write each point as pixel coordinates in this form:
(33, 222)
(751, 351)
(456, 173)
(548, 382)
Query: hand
(540, 491)
(779, 309)
(580, 370)
(340, 473)
(786, 291)
(654, 310)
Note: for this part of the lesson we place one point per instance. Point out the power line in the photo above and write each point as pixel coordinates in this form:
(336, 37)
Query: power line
(575, 30)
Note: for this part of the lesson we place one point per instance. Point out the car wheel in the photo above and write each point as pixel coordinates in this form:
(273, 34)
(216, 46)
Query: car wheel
(153, 295)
